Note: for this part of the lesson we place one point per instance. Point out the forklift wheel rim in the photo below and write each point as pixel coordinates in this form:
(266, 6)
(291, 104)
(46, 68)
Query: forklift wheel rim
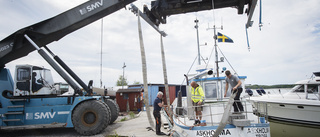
(89, 118)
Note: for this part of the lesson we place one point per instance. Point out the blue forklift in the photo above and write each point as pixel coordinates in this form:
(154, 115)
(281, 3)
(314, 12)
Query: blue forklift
(29, 100)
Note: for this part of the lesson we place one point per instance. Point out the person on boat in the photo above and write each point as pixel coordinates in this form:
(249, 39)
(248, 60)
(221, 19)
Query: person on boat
(235, 83)
(157, 105)
(197, 100)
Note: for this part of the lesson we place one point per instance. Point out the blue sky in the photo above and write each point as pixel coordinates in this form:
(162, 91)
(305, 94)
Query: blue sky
(284, 51)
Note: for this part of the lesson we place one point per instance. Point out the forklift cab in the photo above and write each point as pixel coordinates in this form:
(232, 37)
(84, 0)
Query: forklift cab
(33, 80)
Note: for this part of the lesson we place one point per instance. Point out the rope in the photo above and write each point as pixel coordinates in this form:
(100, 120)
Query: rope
(176, 116)
(189, 70)
(172, 133)
(227, 60)
(210, 56)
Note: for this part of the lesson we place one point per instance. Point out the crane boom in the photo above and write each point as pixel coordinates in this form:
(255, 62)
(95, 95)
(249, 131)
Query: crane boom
(160, 9)
(15, 46)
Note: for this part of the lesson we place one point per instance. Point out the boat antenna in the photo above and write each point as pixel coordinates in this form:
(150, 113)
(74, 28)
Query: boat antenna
(214, 20)
(101, 52)
(196, 27)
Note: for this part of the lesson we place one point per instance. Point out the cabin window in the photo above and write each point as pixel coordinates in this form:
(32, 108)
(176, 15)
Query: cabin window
(23, 74)
(312, 89)
(224, 88)
(210, 90)
(299, 88)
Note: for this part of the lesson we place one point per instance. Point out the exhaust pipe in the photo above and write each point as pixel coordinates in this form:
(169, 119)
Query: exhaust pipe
(204, 73)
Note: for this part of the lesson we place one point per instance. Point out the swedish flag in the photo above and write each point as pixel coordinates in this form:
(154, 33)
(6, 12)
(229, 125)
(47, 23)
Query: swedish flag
(224, 38)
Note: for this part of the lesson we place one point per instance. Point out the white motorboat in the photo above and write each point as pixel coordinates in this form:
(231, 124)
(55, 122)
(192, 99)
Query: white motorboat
(301, 105)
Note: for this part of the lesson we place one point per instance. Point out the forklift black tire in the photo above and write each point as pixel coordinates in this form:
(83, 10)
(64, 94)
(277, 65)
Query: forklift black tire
(91, 117)
(114, 108)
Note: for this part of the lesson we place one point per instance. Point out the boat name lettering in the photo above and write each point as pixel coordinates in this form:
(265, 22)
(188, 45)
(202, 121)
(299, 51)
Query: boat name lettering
(259, 132)
(209, 133)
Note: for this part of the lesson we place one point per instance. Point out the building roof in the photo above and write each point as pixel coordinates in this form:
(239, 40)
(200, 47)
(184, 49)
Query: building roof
(130, 90)
(151, 84)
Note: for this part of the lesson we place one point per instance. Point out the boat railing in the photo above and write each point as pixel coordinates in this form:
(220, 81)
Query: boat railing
(317, 95)
(298, 95)
(271, 92)
(262, 110)
(216, 110)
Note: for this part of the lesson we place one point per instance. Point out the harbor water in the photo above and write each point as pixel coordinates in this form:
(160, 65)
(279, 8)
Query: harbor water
(285, 129)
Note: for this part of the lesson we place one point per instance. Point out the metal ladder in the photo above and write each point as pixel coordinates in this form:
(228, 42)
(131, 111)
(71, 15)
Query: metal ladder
(15, 111)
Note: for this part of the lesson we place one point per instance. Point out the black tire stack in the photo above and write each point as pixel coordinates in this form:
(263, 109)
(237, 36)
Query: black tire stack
(114, 109)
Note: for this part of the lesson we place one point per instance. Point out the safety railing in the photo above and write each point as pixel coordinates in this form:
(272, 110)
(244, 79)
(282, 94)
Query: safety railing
(212, 112)
(262, 110)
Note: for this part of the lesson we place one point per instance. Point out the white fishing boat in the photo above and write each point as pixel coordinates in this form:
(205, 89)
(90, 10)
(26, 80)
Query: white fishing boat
(217, 117)
(301, 105)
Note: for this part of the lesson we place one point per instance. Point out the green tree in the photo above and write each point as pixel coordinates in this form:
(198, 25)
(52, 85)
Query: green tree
(136, 83)
(122, 82)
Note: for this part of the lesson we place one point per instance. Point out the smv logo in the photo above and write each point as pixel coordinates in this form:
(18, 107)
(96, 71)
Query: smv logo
(43, 115)
(40, 115)
(91, 7)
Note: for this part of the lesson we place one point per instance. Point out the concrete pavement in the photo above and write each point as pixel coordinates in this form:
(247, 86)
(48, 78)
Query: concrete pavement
(136, 127)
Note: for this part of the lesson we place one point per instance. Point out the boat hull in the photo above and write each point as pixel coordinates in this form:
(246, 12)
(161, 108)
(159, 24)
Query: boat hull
(251, 126)
(288, 111)
(254, 130)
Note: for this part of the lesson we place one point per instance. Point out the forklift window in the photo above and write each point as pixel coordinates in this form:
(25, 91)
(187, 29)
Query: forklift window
(23, 74)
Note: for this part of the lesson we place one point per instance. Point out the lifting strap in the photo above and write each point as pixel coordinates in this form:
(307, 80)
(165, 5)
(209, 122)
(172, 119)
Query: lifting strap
(226, 114)
(144, 73)
(164, 67)
(143, 60)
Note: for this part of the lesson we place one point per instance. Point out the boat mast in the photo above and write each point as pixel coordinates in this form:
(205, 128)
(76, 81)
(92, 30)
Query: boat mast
(216, 51)
(196, 21)
(215, 37)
